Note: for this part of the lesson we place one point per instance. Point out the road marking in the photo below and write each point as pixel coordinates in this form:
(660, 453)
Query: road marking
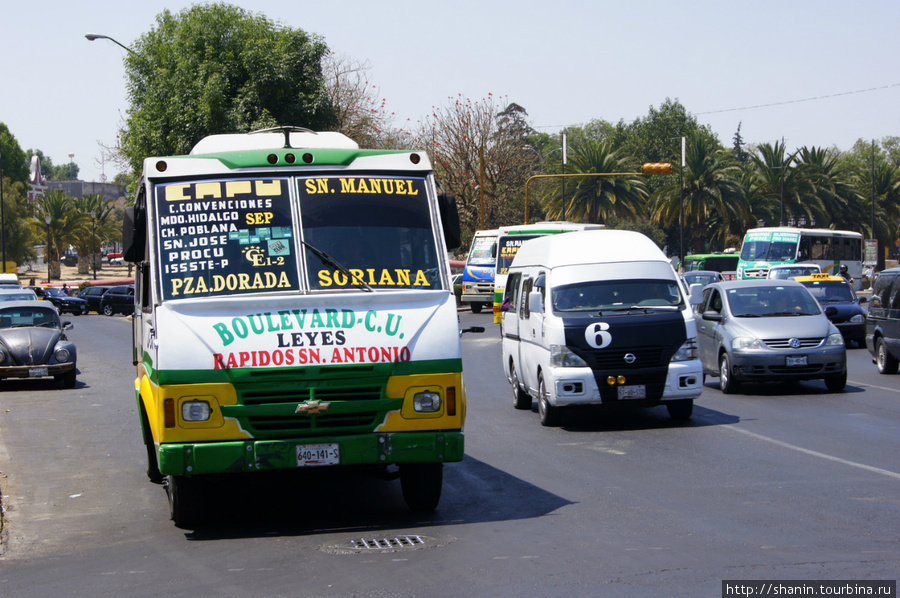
(873, 386)
(800, 449)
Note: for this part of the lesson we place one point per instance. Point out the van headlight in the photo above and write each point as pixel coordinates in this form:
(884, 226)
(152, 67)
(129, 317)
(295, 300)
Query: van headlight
(687, 351)
(562, 357)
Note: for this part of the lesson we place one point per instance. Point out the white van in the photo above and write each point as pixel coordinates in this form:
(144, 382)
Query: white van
(598, 318)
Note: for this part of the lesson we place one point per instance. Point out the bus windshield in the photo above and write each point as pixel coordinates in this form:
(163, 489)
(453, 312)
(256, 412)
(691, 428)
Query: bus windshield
(507, 248)
(770, 247)
(484, 251)
(237, 236)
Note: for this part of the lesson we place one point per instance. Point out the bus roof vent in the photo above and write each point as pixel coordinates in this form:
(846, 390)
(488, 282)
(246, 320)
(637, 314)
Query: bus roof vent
(274, 138)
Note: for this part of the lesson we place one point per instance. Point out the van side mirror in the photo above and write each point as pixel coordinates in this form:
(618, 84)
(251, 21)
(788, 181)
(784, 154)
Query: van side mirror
(450, 221)
(535, 301)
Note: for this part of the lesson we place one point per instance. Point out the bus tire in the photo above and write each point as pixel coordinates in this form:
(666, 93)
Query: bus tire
(421, 484)
(184, 500)
(476, 307)
(153, 472)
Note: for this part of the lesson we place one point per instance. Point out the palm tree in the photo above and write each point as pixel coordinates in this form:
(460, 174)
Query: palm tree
(595, 199)
(715, 204)
(93, 230)
(60, 232)
(829, 193)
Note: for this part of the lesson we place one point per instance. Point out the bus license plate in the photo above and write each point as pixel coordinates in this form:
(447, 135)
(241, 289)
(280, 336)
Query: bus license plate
(311, 455)
(37, 372)
(796, 361)
(635, 391)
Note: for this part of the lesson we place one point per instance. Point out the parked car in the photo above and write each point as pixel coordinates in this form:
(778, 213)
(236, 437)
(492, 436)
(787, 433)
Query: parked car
(883, 322)
(788, 271)
(33, 343)
(118, 300)
(20, 294)
(834, 291)
(767, 330)
(92, 295)
(63, 302)
(701, 277)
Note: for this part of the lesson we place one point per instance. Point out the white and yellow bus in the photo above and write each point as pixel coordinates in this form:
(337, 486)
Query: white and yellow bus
(293, 310)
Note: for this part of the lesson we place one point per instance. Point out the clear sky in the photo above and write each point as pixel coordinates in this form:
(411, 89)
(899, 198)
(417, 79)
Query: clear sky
(814, 72)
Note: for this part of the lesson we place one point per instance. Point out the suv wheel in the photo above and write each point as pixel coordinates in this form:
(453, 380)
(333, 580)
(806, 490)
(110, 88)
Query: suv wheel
(108, 310)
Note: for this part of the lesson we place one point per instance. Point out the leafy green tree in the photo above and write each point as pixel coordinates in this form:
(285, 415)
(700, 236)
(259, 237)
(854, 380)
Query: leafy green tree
(657, 136)
(595, 199)
(216, 68)
(12, 159)
(714, 204)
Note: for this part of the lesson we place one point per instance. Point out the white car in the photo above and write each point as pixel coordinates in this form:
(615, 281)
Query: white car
(788, 271)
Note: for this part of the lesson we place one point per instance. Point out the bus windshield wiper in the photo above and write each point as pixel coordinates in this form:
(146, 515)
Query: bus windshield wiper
(330, 261)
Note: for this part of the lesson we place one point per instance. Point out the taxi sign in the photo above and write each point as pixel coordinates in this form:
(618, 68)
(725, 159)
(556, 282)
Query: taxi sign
(819, 277)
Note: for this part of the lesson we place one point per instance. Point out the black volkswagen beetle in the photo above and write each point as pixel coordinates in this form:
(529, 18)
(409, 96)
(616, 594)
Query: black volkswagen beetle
(33, 343)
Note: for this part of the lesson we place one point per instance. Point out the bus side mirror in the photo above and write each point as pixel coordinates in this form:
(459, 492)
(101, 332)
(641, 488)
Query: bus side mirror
(133, 235)
(450, 221)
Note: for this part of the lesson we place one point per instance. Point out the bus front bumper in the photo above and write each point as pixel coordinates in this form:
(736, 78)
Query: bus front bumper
(266, 455)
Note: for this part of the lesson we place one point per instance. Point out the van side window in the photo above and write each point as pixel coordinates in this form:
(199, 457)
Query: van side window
(511, 295)
(527, 285)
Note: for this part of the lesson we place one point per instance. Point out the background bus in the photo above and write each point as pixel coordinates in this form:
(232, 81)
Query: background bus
(510, 238)
(830, 249)
(478, 273)
(726, 263)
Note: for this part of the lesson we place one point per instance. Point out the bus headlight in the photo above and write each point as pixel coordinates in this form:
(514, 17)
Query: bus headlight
(195, 411)
(562, 357)
(427, 402)
(687, 351)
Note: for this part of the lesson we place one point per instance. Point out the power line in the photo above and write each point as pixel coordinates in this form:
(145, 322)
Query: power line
(833, 95)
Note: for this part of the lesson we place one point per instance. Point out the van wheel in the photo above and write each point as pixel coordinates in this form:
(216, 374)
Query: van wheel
(726, 382)
(886, 363)
(682, 409)
(521, 399)
(476, 307)
(550, 415)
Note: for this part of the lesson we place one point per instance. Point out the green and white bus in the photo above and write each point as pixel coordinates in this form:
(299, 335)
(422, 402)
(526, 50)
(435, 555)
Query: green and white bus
(830, 249)
(293, 310)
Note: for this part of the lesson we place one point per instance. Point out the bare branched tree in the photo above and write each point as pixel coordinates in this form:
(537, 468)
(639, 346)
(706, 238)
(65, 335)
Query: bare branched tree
(481, 146)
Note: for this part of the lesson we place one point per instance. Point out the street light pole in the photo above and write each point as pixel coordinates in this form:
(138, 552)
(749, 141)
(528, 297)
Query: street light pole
(94, 242)
(47, 219)
(92, 36)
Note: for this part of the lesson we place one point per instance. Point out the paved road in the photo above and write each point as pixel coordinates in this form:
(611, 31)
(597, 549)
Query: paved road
(776, 483)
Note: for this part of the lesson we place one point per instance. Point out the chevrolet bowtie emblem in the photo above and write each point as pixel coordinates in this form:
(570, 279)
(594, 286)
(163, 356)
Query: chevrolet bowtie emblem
(312, 407)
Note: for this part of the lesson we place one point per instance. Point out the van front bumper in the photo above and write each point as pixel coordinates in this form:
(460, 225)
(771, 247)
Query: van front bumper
(578, 386)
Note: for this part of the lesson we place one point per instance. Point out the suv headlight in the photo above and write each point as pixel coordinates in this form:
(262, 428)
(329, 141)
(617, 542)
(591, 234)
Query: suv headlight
(743, 343)
(687, 351)
(562, 357)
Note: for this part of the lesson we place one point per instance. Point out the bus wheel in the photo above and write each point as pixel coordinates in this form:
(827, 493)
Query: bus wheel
(550, 416)
(521, 399)
(153, 472)
(476, 307)
(682, 409)
(184, 499)
(421, 484)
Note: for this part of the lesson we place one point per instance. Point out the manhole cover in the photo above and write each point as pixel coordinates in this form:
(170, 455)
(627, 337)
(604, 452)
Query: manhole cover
(384, 544)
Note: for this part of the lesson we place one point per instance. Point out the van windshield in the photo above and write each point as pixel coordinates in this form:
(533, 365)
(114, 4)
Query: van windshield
(607, 295)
